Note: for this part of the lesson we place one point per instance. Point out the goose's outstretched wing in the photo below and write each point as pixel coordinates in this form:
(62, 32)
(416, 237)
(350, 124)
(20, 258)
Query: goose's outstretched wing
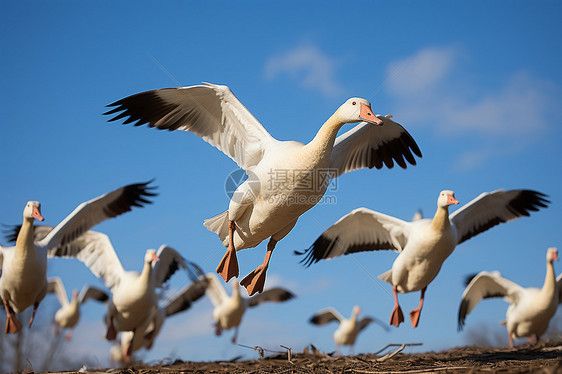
(365, 321)
(486, 285)
(170, 262)
(56, 286)
(183, 300)
(368, 146)
(209, 111)
(95, 211)
(95, 250)
(93, 293)
(275, 295)
(39, 232)
(492, 208)
(215, 289)
(360, 230)
(326, 315)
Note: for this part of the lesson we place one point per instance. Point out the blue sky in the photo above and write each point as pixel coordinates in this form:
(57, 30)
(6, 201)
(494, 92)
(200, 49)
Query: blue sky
(477, 84)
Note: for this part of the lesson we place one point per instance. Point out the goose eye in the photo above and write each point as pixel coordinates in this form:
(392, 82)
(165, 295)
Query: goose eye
(353, 103)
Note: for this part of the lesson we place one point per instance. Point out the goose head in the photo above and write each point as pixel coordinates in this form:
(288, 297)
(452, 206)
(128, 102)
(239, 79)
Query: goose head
(150, 257)
(552, 254)
(33, 211)
(446, 198)
(357, 109)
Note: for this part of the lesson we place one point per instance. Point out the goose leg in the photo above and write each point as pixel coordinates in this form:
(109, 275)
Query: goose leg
(510, 340)
(12, 323)
(228, 267)
(415, 314)
(235, 337)
(111, 334)
(68, 335)
(128, 351)
(218, 329)
(396, 317)
(35, 305)
(255, 281)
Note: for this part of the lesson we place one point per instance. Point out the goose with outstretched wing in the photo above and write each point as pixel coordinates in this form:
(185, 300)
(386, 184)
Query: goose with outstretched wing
(179, 302)
(68, 315)
(229, 310)
(24, 266)
(285, 178)
(348, 328)
(423, 244)
(530, 309)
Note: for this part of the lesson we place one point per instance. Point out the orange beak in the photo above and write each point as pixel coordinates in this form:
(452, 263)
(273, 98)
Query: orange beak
(451, 200)
(555, 256)
(35, 213)
(366, 114)
(155, 258)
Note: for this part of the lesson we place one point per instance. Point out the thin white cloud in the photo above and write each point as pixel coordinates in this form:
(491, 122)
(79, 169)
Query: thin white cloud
(420, 72)
(519, 108)
(428, 93)
(308, 64)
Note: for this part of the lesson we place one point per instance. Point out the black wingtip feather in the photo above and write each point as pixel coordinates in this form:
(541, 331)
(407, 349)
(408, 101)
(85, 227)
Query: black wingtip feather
(469, 279)
(319, 250)
(11, 232)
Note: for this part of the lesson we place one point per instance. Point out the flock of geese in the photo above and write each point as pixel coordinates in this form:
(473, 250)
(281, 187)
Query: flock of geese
(263, 209)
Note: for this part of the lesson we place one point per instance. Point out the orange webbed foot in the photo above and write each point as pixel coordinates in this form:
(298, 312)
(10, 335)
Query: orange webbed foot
(415, 317)
(228, 267)
(12, 324)
(396, 317)
(255, 281)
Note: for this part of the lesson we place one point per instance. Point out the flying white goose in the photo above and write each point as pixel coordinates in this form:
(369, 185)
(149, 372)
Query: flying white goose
(286, 178)
(67, 316)
(151, 327)
(530, 309)
(24, 266)
(424, 244)
(229, 310)
(348, 329)
(133, 295)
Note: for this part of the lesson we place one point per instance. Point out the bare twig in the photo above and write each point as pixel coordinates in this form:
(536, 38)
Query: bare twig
(397, 345)
(288, 353)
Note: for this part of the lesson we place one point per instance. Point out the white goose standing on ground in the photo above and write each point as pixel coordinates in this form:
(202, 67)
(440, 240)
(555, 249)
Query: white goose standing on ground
(348, 329)
(424, 244)
(286, 178)
(530, 309)
(68, 315)
(229, 310)
(24, 266)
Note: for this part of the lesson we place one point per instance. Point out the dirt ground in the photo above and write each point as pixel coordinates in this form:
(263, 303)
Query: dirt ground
(542, 358)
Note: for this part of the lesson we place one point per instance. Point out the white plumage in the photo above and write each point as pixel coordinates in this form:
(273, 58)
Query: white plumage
(423, 244)
(348, 329)
(286, 178)
(229, 310)
(24, 267)
(530, 309)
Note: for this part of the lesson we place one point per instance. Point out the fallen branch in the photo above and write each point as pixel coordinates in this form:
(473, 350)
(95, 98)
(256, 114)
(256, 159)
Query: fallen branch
(261, 351)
